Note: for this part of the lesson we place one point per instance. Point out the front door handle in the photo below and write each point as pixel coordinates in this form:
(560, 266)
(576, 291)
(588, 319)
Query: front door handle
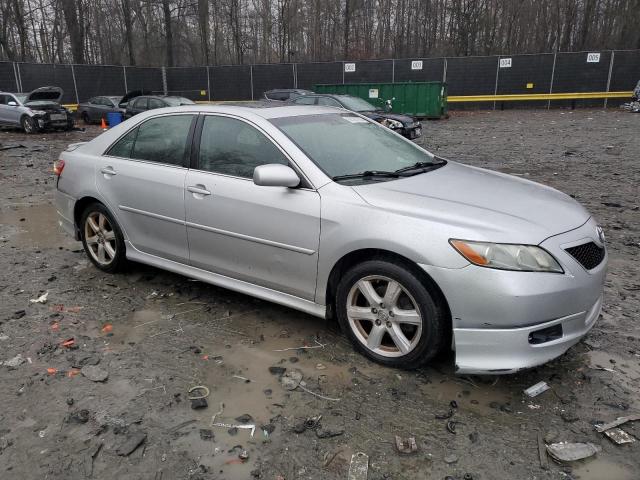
(108, 171)
(198, 190)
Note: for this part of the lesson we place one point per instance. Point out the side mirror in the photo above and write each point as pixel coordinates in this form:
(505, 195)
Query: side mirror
(275, 175)
(12, 104)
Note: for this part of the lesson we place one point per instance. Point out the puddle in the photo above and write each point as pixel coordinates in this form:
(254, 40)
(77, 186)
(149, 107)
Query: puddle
(600, 468)
(35, 226)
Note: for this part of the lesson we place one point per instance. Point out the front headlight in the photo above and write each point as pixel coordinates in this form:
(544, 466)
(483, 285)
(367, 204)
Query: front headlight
(504, 256)
(38, 112)
(394, 124)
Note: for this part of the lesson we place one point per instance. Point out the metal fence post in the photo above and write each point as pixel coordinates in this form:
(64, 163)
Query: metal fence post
(553, 72)
(444, 71)
(393, 70)
(124, 74)
(495, 88)
(251, 78)
(208, 84)
(295, 75)
(16, 67)
(343, 73)
(164, 80)
(613, 54)
(75, 86)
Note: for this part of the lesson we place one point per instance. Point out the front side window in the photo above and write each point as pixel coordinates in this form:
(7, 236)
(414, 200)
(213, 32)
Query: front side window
(155, 103)
(233, 147)
(162, 139)
(346, 144)
(140, 103)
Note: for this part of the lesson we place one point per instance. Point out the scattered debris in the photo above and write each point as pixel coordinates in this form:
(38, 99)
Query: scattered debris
(132, 442)
(406, 445)
(244, 379)
(323, 432)
(277, 370)
(619, 436)
(537, 389)
(451, 426)
(243, 455)
(617, 422)
(542, 452)
(94, 373)
(15, 361)
(204, 389)
(570, 452)
(304, 347)
(292, 379)
(451, 458)
(244, 427)
(198, 403)
(11, 146)
(444, 416)
(359, 466)
(245, 418)
(79, 416)
(41, 299)
(206, 434)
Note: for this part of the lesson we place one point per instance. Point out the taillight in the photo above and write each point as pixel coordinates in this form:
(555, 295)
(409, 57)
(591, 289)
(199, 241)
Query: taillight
(58, 166)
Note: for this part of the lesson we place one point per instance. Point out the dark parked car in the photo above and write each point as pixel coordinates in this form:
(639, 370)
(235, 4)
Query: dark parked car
(284, 94)
(403, 124)
(145, 102)
(96, 108)
(35, 111)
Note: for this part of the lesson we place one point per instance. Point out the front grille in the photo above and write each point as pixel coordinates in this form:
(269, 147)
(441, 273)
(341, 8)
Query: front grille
(589, 254)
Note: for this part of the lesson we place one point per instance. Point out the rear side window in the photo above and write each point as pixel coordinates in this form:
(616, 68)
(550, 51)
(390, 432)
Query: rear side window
(329, 102)
(162, 140)
(305, 100)
(233, 147)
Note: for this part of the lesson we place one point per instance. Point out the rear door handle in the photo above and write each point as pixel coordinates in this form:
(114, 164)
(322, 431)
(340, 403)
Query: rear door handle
(198, 190)
(109, 171)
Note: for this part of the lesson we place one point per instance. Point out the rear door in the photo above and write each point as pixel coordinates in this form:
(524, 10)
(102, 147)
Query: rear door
(142, 180)
(263, 235)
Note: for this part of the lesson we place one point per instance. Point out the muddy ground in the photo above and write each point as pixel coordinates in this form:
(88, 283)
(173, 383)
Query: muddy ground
(157, 335)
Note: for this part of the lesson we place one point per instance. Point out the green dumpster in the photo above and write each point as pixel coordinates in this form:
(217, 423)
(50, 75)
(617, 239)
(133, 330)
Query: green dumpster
(420, 99)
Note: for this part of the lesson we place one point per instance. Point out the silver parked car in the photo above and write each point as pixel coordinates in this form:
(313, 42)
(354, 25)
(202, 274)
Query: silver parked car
(35, 111)
(330, 213)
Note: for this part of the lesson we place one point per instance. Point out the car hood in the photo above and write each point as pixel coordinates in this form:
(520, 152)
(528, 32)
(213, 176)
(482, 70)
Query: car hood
(131, 94)
(377, 116)
(48, 94)
(479, 204)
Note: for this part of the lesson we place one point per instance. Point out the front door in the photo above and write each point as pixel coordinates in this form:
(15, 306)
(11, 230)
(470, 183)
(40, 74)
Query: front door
(142, 180)
(263, 235)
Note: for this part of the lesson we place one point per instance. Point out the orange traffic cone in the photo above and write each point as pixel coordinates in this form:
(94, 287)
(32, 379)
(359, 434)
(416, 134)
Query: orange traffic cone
(103, 125)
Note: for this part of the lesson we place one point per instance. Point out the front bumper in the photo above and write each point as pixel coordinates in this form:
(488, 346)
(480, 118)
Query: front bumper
(45, 122)
(412, 132)
(496, 314)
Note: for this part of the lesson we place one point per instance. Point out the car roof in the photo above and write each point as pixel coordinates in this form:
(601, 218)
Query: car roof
(262, 109)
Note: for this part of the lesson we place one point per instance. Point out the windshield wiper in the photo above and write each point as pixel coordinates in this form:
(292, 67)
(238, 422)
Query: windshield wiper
(422, 167)
(367, 173)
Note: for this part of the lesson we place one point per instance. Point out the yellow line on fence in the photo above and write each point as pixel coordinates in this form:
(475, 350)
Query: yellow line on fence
(537, 96)
(475, 98)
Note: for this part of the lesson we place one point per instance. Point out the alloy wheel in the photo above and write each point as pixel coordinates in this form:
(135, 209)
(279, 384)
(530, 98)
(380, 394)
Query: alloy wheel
(100, 238)
(384, 316)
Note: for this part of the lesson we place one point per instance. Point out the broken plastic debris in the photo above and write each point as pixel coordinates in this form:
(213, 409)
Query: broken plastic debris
(619, 436)
(108, 328)
(359, 466)
(617, 422)
(537, 389)
(406, 445)
(228, 426)
(570, 452)
(41, 299)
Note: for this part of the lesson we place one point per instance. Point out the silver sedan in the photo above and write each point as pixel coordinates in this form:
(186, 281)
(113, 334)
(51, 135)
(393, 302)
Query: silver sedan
(327, 212)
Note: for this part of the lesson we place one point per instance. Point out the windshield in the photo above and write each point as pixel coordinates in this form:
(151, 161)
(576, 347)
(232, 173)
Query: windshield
(177, 101)
(346, 144)
(356, 104)
(115, 100)
(22, 98)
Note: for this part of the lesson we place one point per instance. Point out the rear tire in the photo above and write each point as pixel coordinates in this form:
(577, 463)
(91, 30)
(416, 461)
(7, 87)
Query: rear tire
(85, 118)
(29, 125)
(390, 315)
(102, 238)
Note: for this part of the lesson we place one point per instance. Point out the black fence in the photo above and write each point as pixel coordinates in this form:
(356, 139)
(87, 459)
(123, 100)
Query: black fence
(571, 72)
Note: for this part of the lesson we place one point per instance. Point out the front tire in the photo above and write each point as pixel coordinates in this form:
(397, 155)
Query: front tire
(102, 238)
(85, 118)
(389, 314)
(29, 125)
